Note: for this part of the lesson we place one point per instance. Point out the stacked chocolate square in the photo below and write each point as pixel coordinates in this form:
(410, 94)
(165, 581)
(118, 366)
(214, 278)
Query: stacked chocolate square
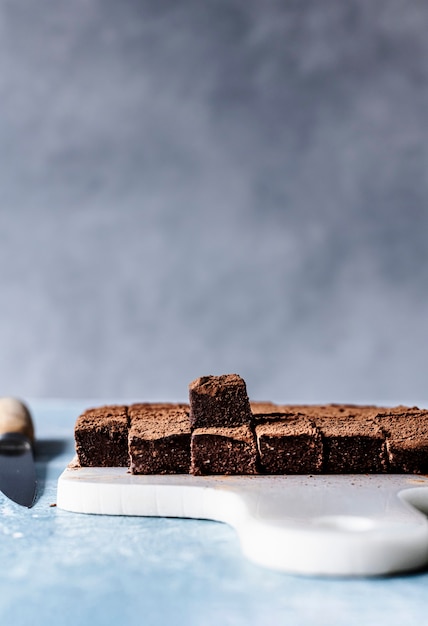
(223, 441)
(221, 432)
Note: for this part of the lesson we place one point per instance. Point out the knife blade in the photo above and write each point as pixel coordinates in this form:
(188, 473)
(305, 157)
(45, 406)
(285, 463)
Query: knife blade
(17, 469)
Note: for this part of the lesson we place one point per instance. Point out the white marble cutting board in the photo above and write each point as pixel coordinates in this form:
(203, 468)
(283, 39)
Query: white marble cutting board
(341, 525)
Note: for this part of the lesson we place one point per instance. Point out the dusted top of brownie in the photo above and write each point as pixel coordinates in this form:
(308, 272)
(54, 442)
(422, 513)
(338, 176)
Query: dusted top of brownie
(112, 416)
(154, 421)
(262, 407)
(286, 424)
(331, 410)
(349, 426)
(410, 425)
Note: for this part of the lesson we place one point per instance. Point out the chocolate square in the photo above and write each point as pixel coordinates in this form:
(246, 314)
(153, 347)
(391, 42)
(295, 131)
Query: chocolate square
(219, 401)
(229, 450)
(288, 444)
(101, 437)
(159, 438)
(353, 444)
(406, 440)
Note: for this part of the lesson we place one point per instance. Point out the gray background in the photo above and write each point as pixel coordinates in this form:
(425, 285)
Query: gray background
(206, 187)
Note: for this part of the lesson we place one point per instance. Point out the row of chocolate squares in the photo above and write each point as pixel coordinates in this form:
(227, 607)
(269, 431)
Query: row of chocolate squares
(159, 438)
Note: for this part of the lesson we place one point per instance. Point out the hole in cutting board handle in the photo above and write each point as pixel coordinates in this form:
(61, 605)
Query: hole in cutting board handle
(416, 497)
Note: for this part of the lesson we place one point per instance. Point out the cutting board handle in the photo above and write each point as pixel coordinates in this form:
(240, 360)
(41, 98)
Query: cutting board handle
(325, 525)
(15, 418)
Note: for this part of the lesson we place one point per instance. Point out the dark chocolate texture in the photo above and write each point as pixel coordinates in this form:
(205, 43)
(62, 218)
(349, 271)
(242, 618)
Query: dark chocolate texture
(353, 444)
(219, 401)
(406, 432)
(237, 437)
(159, 438)
(101, 437)
(288, 444)
(223, 450)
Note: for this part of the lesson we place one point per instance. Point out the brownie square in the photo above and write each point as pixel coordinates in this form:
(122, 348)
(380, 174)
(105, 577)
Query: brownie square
(223, 450)
(219, 401)
(406, 440)
(353, 444)
(288, 444)
(101, 437)
(159, 438)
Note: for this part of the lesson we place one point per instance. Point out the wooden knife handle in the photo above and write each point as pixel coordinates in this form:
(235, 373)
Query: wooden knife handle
(15, 418)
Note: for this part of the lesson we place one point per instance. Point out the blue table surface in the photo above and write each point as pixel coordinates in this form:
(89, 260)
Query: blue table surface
(63, 568)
